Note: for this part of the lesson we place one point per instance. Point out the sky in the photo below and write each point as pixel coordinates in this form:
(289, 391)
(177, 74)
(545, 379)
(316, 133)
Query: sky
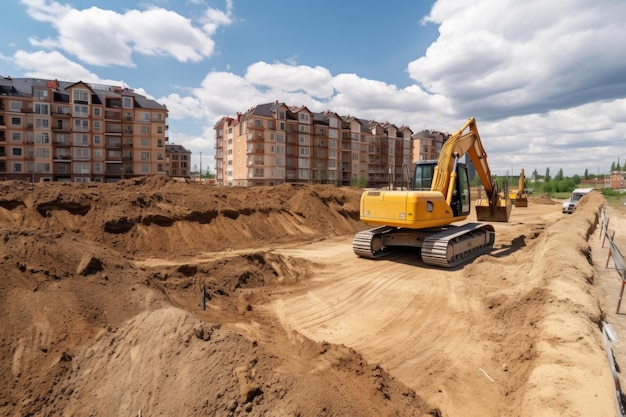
(545, 80)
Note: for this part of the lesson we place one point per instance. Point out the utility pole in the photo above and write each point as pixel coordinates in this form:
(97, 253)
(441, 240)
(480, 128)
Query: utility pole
(200, 166)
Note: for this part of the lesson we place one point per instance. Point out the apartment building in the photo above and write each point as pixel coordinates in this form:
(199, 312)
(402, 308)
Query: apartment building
(274, 143)
(74, 131)
(427, 144)
(178, 160)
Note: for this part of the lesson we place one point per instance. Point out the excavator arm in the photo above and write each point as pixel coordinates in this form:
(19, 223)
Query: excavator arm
(453, 149)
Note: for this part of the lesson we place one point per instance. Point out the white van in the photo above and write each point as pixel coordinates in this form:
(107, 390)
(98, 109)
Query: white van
(577, 194)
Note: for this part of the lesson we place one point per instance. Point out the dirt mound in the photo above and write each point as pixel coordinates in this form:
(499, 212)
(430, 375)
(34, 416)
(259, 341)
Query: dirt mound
(156, 216)
(103, 289)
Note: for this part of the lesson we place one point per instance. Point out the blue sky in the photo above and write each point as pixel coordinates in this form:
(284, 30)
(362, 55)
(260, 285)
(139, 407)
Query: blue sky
(546, 81)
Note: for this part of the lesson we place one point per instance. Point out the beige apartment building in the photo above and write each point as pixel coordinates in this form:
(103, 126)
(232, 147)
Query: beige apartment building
(178, 161)
(274, 143)
(427, 144)
(60, 131)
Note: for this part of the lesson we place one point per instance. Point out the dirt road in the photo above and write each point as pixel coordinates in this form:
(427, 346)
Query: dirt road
(431, 328)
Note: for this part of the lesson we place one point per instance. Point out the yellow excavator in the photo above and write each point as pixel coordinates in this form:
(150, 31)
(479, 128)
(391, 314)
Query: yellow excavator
(439, 195)
(519, 197)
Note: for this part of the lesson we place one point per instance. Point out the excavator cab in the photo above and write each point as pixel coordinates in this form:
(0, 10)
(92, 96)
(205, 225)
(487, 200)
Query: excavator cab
(423, 173)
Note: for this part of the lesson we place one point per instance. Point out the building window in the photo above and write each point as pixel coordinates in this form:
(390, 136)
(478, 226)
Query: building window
(16, 106)
(145, 142)
(16, 136)
(97, 111)
(145, 168)
(81, 95)
(145, 130)
(81, 153)
(97, 140)
(16, 121)
(43, 167)
(16, 152)
(82, 125)
(97, 167)
(97, 153)
(81, 167)
(304, 117)
(42, 123)
(97, 126)
(41, 108)
(81, 139)
(17, 167)
(159, 143)
(127, 102)
(42, 138)
(42, 152)
(145, 156)
(81, 111)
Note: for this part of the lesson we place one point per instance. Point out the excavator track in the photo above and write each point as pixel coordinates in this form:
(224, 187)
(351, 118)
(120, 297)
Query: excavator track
(369, 243)
(458, 244)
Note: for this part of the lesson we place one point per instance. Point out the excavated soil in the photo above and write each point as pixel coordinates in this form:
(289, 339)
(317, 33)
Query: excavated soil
(155, 297)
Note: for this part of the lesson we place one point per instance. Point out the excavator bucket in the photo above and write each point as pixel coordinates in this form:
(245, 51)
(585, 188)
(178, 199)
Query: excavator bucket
(499, 212)
(521, 201)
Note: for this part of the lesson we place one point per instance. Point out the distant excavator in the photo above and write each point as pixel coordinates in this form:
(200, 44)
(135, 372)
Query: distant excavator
(439, 195)
(519, 197)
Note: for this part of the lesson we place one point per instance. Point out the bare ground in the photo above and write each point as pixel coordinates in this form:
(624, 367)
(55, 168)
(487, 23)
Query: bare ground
(102, 309)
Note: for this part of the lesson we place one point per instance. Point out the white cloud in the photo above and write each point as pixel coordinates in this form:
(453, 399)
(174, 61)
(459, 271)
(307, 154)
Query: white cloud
(510, 58)
(53, 65)
(315, 81)
(105, 37)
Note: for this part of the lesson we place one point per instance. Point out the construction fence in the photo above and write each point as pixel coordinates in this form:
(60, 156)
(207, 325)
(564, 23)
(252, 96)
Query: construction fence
(608, 333)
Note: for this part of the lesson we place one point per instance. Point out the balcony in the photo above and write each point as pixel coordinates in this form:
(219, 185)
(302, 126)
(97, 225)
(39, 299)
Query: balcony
(113, 169)
(62, 143)
(112, 115)
(114, 129)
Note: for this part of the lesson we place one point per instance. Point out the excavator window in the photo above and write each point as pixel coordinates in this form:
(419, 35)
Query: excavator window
(423, 175)
(461, 194)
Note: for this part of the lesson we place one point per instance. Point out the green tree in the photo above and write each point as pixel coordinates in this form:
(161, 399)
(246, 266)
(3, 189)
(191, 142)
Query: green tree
(586, 174)
(547, 177)
(559, 175)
